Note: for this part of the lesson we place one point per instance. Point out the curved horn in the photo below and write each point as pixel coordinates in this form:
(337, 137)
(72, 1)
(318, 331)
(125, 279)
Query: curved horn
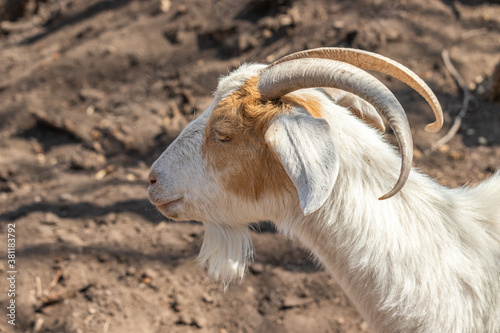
(372, 61)
(280, 79)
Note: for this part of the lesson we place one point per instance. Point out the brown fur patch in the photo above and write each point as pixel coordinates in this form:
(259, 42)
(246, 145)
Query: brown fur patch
(312, 105)
(245, 163)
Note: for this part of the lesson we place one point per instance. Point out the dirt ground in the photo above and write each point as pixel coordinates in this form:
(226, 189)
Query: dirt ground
(91, 92)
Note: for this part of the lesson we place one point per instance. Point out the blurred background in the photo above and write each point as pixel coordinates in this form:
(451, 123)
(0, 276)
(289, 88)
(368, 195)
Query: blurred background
(91, 92)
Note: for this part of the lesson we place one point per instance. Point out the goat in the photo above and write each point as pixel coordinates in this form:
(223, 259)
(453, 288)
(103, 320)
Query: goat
(279, 144)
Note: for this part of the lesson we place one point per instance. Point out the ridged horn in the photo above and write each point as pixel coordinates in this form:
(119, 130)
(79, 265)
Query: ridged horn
(281, 79)
(376, 62)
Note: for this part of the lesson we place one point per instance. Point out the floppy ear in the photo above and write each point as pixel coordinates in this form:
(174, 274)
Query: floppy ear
(305, 147)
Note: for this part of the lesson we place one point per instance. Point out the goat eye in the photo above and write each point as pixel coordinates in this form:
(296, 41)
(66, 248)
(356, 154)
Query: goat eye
(222, 137)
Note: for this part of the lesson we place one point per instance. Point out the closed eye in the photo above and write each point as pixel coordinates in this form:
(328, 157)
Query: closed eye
(222, 137)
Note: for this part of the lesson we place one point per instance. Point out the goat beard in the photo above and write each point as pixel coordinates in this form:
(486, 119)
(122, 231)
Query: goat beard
(225, 252)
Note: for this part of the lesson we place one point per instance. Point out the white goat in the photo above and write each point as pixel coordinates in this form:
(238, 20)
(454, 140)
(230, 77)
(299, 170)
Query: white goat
(273, 147)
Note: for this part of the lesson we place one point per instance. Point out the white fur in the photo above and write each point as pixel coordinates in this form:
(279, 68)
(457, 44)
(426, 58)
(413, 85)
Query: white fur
(312, 167)
(426, 260)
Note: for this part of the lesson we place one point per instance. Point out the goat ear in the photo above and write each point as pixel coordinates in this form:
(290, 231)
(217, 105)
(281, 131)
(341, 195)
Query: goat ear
(305, 147)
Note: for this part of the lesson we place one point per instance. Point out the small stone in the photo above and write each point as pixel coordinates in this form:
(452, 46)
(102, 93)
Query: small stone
(150, 273)
(285, 20)
(199, 321)
(269, 23)
(90, 110)
(417, 154)
(481, 90)
(177, 304)
(294, 301)
(339, 24)
(470, 131)
(478, 79)
(444, 148)
(165, 5)
(456, 155)
(101, 174)
(364, 326)
(392, 35)
(103, 257)
(246, 42)
(109, 218)
(207, 299)
(89, 224)
(66, 197)
(340, 320)
(482, 140)
(131, 270)
(71, 239)
(256, 268)
(266, 34)
(182, 9)
(50, 219)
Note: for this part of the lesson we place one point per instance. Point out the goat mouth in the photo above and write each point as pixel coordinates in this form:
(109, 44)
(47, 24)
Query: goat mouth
(167, 208)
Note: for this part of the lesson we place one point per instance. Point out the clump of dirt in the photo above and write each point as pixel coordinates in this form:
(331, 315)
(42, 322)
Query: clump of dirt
(93, 91)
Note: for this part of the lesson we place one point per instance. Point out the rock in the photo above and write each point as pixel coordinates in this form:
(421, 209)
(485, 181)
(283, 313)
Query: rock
(207, 299)
(178, 303)
(67, 197)
(199, 321)
(71, 238)
(91, 94)
(246, 42)
(456, 155)
(470, 131)
(109, 218)
(50, 219)
(444, 148)
(482, 141)
(103, 257)
(269, 23)
(84, 159)
(150, 273)
(131, 271)
(181, 9)
(285, 20)
(392, 35)
(115, 236)
(417, 154)
(294, 301)
(266, 33)
(165, 5)
(172, 35)
(256, 268)
(265, 307)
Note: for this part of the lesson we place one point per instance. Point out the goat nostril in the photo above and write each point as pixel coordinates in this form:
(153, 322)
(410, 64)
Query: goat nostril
(152, 178)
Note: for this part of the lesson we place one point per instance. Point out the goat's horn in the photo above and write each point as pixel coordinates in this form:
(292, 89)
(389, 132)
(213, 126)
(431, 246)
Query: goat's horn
(281, 79)
(376, 62)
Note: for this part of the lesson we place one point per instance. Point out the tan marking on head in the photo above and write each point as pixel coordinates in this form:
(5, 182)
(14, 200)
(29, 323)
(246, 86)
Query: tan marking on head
(235, 147)
(310, 104)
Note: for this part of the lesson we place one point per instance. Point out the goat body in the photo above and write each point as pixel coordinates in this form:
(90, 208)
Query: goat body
(426, 260)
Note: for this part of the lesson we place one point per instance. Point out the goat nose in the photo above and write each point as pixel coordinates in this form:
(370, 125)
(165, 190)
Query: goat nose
(152, 177)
